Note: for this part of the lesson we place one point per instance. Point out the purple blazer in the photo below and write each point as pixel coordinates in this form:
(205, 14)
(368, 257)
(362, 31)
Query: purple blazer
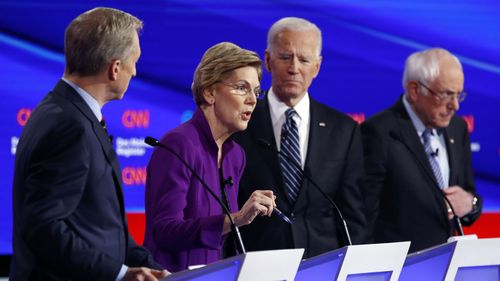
(183, 221)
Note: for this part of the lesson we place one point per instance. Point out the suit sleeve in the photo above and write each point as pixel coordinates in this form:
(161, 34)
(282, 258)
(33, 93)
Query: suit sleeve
(55, 182)
(169, 183)
(138, 256)
(470, 185)
(350, 199)
(375, 171)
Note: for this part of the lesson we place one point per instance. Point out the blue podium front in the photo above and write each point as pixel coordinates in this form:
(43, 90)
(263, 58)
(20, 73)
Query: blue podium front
(463, 259)
(369, 262)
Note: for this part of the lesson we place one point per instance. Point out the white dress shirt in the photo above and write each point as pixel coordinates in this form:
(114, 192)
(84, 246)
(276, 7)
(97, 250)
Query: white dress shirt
(437, 141)
(302, 119)
(89, 100)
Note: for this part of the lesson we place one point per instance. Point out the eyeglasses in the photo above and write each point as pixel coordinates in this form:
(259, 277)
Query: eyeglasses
(244, 89)
(445, 97)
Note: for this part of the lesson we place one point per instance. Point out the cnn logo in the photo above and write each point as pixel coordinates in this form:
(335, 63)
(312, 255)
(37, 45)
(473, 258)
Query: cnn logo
(134, 175)
(469, 120)
(135, 118)
(23, 115)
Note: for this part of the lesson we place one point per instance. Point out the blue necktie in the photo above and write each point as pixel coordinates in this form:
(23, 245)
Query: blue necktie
(432, 157)
(289, 145)
(103, 124)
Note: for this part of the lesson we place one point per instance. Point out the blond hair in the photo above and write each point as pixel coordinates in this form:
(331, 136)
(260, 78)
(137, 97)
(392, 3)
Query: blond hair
(217, 63)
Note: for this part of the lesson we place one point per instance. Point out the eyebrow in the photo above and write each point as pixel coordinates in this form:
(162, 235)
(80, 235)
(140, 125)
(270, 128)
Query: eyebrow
(242, 81)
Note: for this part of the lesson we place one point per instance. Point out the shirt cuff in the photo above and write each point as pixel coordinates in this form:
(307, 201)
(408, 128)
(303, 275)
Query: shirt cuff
(122, 273)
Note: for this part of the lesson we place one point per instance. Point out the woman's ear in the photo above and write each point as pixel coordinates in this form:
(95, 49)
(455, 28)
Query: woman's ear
(209, 95)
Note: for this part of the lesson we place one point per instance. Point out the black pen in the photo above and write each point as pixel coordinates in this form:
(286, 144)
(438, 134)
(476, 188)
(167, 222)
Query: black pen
(281, 215)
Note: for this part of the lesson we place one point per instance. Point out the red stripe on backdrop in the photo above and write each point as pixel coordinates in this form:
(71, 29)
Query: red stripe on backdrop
(137, 226)
(487, 226)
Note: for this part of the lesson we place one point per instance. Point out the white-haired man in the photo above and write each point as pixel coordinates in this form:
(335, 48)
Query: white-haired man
(416, 153)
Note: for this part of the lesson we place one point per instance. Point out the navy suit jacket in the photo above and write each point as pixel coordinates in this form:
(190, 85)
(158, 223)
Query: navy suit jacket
(335, 162)
(402, 195)
(69, 217)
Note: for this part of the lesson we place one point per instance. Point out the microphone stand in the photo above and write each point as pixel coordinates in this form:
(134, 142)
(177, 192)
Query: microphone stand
(267, 145)
(456, 219)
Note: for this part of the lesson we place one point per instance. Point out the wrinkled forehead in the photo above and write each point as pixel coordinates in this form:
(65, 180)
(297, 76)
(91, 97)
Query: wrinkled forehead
(291, 40)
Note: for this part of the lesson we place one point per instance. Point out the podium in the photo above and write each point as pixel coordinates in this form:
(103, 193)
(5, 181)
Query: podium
(252, 266)
(462, 259)
(370, 262)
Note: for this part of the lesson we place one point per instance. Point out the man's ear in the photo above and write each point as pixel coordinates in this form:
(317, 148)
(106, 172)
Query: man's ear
(266, 60)
(412, 89)
(317, 66)
(113, 69)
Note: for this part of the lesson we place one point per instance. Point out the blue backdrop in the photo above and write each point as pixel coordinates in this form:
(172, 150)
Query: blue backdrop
(365, 46)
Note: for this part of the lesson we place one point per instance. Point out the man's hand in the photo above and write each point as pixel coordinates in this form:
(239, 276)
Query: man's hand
(144, 274)
(460, 199)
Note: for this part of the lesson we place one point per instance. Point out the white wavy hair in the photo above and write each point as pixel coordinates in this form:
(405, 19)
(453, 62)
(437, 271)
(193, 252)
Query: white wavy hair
(424, 65)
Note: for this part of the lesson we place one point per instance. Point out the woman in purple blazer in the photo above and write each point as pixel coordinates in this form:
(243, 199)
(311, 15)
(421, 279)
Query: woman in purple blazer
(184, 224)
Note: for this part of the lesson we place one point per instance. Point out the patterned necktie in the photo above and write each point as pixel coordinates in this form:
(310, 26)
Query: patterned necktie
(103, 124)
(289, 144)
(432, 157)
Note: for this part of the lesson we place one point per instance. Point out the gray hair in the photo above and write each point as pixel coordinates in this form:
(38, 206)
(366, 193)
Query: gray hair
(424, 65)
(217, 63)
(293, 24)
(97, 37)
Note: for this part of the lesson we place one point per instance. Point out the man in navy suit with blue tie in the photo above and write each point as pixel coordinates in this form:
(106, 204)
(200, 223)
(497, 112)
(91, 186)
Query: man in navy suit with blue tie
(417, 152)
(69, 216)
(325, 143)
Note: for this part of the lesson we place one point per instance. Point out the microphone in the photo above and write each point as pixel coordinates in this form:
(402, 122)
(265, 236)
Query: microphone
(267, 145)
(229, 181)
(456, 219)
(155, 143)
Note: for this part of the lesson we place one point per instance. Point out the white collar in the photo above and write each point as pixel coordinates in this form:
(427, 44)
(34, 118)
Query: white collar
(89, 100)
(278, 108)
(417, 123)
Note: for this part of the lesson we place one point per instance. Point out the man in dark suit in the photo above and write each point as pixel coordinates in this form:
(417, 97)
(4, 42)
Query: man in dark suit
(324, 142)
(416, 153)
(69, 217)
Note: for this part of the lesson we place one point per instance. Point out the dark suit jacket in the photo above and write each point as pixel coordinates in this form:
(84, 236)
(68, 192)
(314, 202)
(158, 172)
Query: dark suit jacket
(335, 162)
(403, 198)
(69, 220)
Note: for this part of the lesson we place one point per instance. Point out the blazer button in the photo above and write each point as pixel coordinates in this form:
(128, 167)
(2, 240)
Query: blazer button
(292, 216)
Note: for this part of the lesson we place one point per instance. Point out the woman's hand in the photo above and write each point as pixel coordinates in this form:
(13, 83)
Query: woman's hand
(261, 202)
